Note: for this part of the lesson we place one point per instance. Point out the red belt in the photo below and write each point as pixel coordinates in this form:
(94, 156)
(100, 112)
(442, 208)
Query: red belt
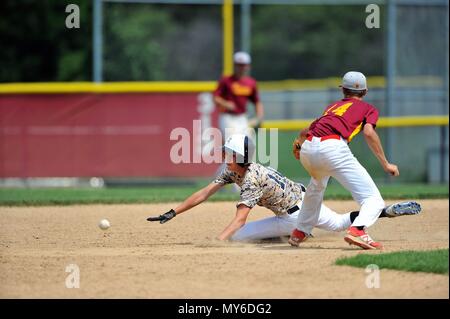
(323, 138)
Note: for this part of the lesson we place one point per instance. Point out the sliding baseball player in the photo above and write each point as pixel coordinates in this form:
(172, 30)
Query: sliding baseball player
(266, 187)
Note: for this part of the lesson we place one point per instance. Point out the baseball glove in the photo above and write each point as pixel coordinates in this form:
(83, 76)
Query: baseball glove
(164, 217)
(296, 148)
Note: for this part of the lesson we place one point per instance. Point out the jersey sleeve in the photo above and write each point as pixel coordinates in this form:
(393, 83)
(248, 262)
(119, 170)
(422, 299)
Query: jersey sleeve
(371, 116)
(224, 177)
(255, 94)
(313, 124)
(221, 88)
(250, 195)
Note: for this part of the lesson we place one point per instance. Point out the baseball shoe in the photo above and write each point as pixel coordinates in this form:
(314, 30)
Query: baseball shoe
(361, 238)
(404, 208)
(297, 237)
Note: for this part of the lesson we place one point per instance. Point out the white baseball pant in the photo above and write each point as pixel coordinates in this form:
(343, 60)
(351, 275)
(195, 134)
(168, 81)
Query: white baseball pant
(230, 124)
(332, 157)
(278, 226)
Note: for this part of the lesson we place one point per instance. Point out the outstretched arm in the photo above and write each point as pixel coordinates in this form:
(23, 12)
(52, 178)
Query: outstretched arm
(375, 146)
(197, 197)
(238, 221)
(188, 203)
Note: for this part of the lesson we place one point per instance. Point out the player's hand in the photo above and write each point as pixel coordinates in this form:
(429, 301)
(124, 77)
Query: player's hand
(255, 123)
(230, 106)
(296, 148)
(392, 169)
(164, 217)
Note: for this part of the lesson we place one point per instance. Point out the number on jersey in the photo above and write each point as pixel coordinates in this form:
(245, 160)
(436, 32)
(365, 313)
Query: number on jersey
(339, 111)
(277, 177)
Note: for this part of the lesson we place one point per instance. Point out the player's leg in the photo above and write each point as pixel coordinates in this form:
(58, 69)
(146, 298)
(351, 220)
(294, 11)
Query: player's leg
(228, 125)
(312, 202)
(312, 160)
(231, 124)
(332, 221)
(395, 210)
(241, 125)
(265, 228)
(224, 122)
(236, 124)
(354, 177)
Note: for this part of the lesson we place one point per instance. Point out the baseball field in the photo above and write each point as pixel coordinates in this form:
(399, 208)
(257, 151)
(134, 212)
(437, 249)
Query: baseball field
(182, 259)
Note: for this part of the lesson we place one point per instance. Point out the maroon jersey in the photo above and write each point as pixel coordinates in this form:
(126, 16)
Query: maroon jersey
(345, 118)
(238, 91)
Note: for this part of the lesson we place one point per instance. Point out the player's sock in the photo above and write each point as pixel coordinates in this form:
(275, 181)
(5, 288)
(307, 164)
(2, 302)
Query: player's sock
(353, 216)
(383, 213)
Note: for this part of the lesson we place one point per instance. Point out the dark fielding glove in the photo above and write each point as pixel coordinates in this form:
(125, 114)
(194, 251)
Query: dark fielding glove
(164, 217)
(296, 148)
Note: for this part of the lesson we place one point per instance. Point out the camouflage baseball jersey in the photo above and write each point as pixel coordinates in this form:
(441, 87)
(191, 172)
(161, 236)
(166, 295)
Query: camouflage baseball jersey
(263, 186)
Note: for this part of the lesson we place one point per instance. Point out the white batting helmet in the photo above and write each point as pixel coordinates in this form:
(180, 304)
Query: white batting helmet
(242, 146)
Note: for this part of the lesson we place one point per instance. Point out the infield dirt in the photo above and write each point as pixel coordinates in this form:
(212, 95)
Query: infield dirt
(181, 259)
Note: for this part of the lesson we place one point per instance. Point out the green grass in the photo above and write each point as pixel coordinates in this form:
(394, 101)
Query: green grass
(394, 191)
(70, 196)
(433, 261)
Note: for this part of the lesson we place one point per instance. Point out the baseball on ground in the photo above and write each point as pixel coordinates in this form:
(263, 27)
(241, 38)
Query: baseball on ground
(104, 224)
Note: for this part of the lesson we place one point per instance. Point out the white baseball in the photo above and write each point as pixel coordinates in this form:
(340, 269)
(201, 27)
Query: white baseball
(104, 224)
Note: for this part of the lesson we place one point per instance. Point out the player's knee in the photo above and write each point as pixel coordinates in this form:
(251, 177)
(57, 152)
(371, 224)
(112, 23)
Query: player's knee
(376, 202)
(235, 237)
(317, 185)
(380, 203)
(341, 223)
(344, 223)
(240, 236)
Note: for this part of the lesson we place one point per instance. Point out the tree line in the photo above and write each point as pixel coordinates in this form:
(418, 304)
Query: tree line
(151, 42)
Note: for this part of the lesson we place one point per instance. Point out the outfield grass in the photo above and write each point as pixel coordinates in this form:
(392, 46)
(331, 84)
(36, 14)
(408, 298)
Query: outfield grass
(69, 196)
(433, 261)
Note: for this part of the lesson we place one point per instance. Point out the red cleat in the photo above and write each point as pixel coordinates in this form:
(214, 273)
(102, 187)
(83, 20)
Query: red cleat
(361, 238)
(297, 237)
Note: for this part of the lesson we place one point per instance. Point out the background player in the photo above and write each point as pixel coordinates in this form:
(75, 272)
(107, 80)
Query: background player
(266, 187)
(324, 152)
(232, 95)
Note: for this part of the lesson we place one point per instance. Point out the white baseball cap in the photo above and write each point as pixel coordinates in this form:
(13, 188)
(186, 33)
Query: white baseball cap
(354, 81)
(242, 58)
